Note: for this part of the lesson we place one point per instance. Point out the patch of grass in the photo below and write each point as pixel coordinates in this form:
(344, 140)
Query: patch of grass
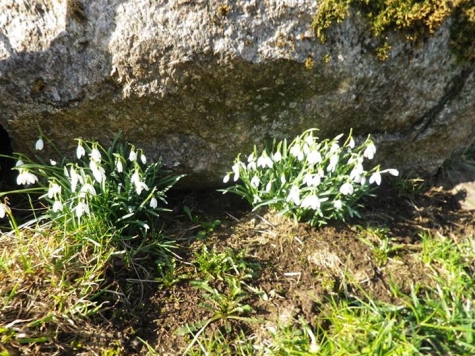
(52, 283)
(436, 319)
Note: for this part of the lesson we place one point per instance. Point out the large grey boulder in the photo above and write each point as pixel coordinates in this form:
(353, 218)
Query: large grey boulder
(198, 81)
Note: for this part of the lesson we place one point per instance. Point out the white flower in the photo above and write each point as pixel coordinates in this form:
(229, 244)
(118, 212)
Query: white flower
(3, 211)
(54, 189)
(277, 156)
(140, 186)
(312, 180)
(264, 161)
(370, 151)
(53, 163)
(132, 155)
(96, 155)
(314, 157)
(333, 162)
(282, 178)
(255, 181)
(226, 178)
(296, 151)
(135, 177)
(236, 167)
(19, 163)
(143, 158)
(357, 172)
(351, 144)
(119, 166)
(338, 204)
(153, 203)
(335, 147)
(80, 151)
(57, 206)
(75, 178)
(294, 195)
(311, 201)
(99, 175)
(25, 178)
(375, 178)
(268, 187)
(251, 166)
(392, 171)
(251, 158)
(81, 208)
(39, 144)
(97, 171)
(346, 189)
(87, 189)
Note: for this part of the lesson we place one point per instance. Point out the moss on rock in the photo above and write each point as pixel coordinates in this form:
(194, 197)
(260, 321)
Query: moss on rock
(414, 19)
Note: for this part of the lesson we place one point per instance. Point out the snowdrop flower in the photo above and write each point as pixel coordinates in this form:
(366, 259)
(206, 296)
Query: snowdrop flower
(26, 178)
(392, 171)
(143, 158)
(135, 177)
(57, 206)
(19, 163)
(346, 189)
(119, 166)
(312, 180)
(338, 204)
(96, 155)
(264, 161)
(351, 144)
(153, 203)
(74, 179)
(39, 144)
(370, 151)
(282, 179)
(3, 211)
(81, 208)
(53, 163)
(277, 156)
(268, 187)
(97, 171)
(226, 178)
(140, 186)
(87, 189)
(251, 166)
(54, 189)
(255, 182)
(251, 158)
(294, 195)
(236, 167)
(335, 147)
(375, 178)
(297, 152)
(80, 151)
(314, 157)
(333, 162)
(311, 201)
(132, 155)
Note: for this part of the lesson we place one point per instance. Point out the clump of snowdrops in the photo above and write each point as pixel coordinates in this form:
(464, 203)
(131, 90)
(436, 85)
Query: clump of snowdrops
(308, 179)
(114, 187)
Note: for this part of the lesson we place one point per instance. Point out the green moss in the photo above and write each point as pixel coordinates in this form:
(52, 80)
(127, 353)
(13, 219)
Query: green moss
(414, 19)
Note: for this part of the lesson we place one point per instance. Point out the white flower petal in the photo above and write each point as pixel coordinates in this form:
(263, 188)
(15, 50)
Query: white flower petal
(39, 144)
(132, 156)
(80, 151)
(346, 189)
(153, 203)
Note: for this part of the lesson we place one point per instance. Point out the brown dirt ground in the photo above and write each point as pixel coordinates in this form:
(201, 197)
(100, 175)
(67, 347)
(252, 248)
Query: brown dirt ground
(299, 267)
